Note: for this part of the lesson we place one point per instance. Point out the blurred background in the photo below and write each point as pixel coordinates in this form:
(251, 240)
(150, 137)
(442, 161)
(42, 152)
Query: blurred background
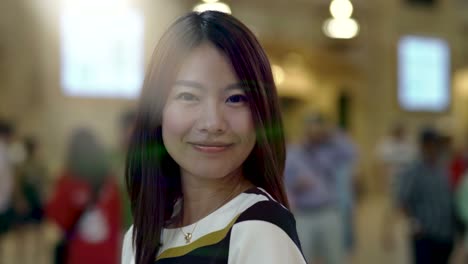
(70, 73)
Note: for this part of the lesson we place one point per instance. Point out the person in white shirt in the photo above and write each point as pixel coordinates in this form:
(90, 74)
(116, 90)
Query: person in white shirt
(6, 182)
(394, 153)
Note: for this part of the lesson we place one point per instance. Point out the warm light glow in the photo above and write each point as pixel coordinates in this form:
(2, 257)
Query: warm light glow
(461, 82)
(210, 1)
(215, 6)
(86, 5)
(346, 28)
(278, 74)
(341, 9)
(299, 83)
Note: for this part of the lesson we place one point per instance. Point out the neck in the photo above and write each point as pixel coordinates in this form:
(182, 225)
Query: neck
(201, 196)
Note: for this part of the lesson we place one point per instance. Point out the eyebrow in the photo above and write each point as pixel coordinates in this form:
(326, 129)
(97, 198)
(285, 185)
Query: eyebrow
(189, 84)
(197, 85)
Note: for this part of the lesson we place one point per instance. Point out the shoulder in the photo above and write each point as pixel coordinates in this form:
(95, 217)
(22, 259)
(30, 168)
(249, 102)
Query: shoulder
(128, 236)
(269, 211)
(261, 227)
(127, 248)
(268, 214)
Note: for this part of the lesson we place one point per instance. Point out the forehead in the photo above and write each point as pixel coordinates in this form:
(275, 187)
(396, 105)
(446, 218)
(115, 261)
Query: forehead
(207, 65)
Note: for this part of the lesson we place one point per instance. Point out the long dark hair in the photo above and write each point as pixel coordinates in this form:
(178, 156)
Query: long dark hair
(152, 176)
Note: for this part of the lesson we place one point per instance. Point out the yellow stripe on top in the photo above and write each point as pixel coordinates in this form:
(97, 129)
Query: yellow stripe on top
(206, 240)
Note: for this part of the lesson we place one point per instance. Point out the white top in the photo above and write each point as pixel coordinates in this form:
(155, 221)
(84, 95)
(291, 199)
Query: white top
(243, 231)
(396, 155)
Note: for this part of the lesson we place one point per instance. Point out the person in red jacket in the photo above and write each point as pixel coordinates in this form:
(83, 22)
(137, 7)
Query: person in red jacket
(86, 206)
(458, 167)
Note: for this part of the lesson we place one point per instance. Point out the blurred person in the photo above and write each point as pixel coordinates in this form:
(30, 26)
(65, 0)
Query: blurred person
(345, 155)
(447, 147)
(17, 156)
(459, 165)
(18, 206)
(311, 176)
(32, 178)
(459, 184)
(6, 182)
(394, 153)
(29, 198)
(206, 157)
(85, 205)
(462, 212)
(425, 197)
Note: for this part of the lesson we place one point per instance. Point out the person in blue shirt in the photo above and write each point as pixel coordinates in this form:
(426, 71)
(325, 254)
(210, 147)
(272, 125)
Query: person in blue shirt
(425, 197)
(316, 176)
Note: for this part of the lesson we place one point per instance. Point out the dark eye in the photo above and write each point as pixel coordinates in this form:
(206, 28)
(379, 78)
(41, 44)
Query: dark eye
(186, 97)
(237, 99)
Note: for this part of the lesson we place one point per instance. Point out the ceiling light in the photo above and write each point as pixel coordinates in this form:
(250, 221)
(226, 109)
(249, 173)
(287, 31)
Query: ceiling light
(213, 6)
(345, 28)
(341, 8)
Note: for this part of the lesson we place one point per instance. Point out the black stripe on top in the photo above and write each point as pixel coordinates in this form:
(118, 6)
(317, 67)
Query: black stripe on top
(213, 254)
(269, 211)
(272, 212)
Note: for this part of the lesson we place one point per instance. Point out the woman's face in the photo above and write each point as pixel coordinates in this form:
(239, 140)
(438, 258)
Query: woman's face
(207, 124)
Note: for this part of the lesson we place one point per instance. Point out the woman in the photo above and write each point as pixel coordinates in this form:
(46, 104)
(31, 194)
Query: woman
(206, 158)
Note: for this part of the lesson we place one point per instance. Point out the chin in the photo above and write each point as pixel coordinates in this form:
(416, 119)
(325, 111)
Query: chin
(211, 172)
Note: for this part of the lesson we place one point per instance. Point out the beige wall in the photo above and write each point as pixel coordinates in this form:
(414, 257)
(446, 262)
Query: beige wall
(30, 67)
(381, 106)
(30, 92)
(367, 67)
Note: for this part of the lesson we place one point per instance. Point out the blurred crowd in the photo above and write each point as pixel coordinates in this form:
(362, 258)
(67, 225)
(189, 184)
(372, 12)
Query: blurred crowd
(82, 212)
(425, 181)
(77, 216)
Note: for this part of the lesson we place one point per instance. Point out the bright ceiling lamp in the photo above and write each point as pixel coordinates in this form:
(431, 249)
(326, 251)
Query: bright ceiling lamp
(341, 25)
(343, 28)
(341, 8)
(212, 5)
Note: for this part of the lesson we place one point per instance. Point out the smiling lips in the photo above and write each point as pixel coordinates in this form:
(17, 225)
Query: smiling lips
(211, 147)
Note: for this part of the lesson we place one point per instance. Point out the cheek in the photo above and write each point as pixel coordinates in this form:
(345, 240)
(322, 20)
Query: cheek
(175, 123)
(242, 124)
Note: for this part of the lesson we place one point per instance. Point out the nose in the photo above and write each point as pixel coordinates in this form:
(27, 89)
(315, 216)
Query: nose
(212, 119)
